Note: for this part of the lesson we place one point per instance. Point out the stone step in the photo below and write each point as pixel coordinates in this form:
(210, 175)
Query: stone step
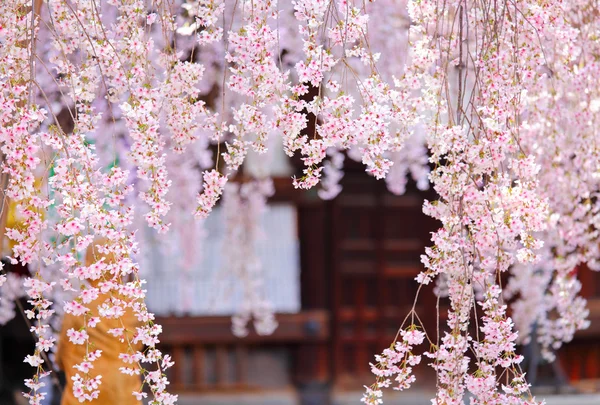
(353, 398)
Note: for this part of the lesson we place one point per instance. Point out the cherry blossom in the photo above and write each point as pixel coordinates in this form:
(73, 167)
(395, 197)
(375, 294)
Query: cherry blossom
(146, 112)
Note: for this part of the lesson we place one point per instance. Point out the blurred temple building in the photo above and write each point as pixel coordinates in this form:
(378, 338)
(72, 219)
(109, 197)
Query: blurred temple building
(340, 275)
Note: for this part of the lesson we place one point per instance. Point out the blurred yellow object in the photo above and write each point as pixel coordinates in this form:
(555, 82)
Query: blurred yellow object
(116, 387)
(11, 219)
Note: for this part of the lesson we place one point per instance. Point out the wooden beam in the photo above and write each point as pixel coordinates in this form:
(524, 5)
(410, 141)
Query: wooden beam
(307, 326)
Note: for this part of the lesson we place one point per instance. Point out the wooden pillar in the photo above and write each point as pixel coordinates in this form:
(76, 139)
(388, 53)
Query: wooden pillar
(312, 374)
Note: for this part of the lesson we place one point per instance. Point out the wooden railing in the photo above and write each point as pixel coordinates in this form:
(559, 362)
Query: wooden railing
(581, 358)
(209, 357)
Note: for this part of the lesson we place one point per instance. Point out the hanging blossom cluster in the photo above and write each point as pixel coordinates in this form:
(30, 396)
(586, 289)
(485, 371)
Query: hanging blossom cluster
(79, 81)
(493, 212)
(396, 361)
(243, 207)
(562, 134)
(88, 203)
(19, 147)
(369, 115)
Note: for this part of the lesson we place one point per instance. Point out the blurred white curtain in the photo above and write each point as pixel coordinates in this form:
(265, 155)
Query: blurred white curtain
(209, 289)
